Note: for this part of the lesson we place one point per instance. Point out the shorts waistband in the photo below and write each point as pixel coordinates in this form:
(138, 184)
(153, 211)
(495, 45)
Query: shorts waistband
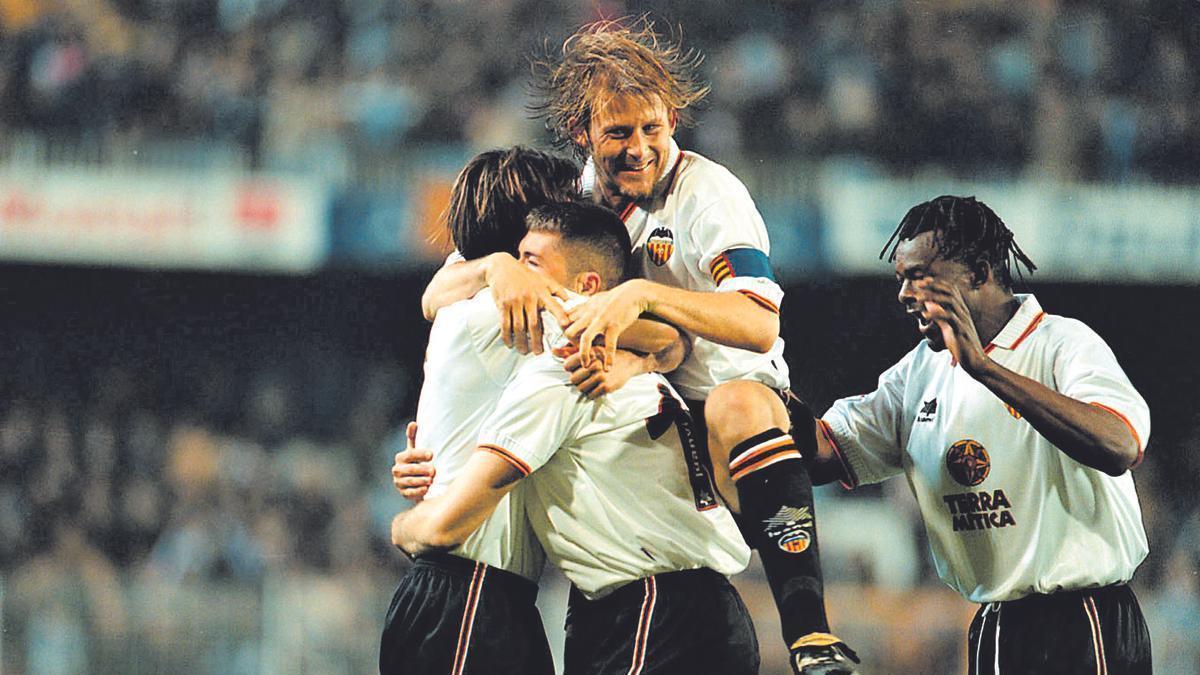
(1036, 599)
(635, 590)
(494, 577)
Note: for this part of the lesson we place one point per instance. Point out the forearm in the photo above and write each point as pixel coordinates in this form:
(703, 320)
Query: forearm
(422, 530)
(455, 282)
(1088, 434)
(727, 318)
(670, 357)
(649, 336)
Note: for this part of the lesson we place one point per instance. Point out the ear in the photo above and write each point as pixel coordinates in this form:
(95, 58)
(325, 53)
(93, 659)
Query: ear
(579, 135)
(981, 273)
(588, 283)
(673, 116)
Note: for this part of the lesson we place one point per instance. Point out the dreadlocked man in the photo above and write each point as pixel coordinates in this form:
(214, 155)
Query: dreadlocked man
(1016, 430)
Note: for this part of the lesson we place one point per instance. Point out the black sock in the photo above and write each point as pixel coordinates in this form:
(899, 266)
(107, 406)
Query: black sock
(777, 520)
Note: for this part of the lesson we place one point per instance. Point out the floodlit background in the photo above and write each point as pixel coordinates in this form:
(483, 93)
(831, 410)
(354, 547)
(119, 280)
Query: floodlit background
(214, 230)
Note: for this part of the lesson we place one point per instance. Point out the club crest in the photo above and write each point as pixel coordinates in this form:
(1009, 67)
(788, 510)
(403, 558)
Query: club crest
(660, 245)
(968, 462)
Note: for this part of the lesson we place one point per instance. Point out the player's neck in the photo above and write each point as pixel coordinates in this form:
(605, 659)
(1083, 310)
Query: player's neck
(991, 322)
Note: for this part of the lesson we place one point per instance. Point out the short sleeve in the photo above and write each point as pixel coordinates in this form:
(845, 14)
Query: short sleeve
(1086, 370)
(734, 248)
(538, 412)
(866, 430)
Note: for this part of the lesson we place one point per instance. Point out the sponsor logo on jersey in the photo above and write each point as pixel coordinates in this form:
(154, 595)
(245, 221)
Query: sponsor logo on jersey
(790, 528)
(979, 510)
(968, 462)
(928, 410)
(660, 245)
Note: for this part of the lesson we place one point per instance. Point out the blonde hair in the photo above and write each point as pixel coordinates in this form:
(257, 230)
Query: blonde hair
(605, 59)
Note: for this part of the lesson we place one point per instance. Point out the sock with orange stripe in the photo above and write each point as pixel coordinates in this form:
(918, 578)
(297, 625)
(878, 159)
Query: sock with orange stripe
(777, 520)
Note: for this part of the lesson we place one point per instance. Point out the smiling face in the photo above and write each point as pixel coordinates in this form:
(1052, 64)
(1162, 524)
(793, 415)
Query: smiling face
(918, 258)
(629, 140)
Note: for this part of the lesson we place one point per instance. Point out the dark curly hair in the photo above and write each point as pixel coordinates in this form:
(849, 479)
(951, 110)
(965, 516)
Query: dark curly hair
(964, 230)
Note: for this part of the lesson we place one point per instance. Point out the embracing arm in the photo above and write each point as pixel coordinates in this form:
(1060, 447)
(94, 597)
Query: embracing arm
(519, 293)
(732, 318)
(454, 282)
(727, 318)
(444, 522)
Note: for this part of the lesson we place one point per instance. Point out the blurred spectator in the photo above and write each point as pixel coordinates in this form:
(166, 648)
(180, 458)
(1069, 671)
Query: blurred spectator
(1086, 90)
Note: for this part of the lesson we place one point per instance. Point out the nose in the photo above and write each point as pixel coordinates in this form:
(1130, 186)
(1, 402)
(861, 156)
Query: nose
(905, 295)
(635, 148)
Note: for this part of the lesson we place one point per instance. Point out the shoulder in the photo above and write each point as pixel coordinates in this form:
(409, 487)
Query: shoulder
(702, 182)
(475, 313)
(539, 372)
(1062, 333)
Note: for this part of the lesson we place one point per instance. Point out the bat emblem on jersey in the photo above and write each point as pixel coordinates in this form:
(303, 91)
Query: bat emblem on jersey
(660, 245)
(968, 462)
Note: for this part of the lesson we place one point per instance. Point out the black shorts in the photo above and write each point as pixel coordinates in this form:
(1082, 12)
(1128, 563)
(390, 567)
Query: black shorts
(676, 623)
(453, 616)
(1098, 631)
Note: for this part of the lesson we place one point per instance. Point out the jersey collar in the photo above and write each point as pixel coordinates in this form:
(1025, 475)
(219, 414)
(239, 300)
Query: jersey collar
(1020, 326)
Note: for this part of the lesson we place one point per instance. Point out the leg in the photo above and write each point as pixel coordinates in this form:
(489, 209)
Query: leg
(759, 469)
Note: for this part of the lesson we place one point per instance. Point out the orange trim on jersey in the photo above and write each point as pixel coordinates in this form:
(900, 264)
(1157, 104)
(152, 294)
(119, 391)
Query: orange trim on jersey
(760, 450)
(674, 178)
(760, 300)
(827, 432)
(764, 463)
(1032, 325)
(1136, 438)
(1020, 338)
(509, 457)
(627, 211)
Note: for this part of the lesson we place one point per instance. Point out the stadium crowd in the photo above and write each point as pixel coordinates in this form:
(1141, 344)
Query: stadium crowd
(1076, 89)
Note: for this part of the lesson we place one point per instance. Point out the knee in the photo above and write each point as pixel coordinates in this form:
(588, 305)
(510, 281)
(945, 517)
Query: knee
(735, 411)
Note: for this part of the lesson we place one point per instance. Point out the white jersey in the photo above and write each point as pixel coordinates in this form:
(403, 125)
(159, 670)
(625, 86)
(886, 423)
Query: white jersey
(467, 366)
(702, 232)
(1008, 514)
(609, 494)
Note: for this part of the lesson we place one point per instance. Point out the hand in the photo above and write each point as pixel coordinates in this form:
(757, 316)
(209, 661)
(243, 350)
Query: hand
(603, 317)
(595, 380)
(412, 474)
(944, 306)
(521, 294)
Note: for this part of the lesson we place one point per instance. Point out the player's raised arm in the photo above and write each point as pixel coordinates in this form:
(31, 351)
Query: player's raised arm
(442, 523)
